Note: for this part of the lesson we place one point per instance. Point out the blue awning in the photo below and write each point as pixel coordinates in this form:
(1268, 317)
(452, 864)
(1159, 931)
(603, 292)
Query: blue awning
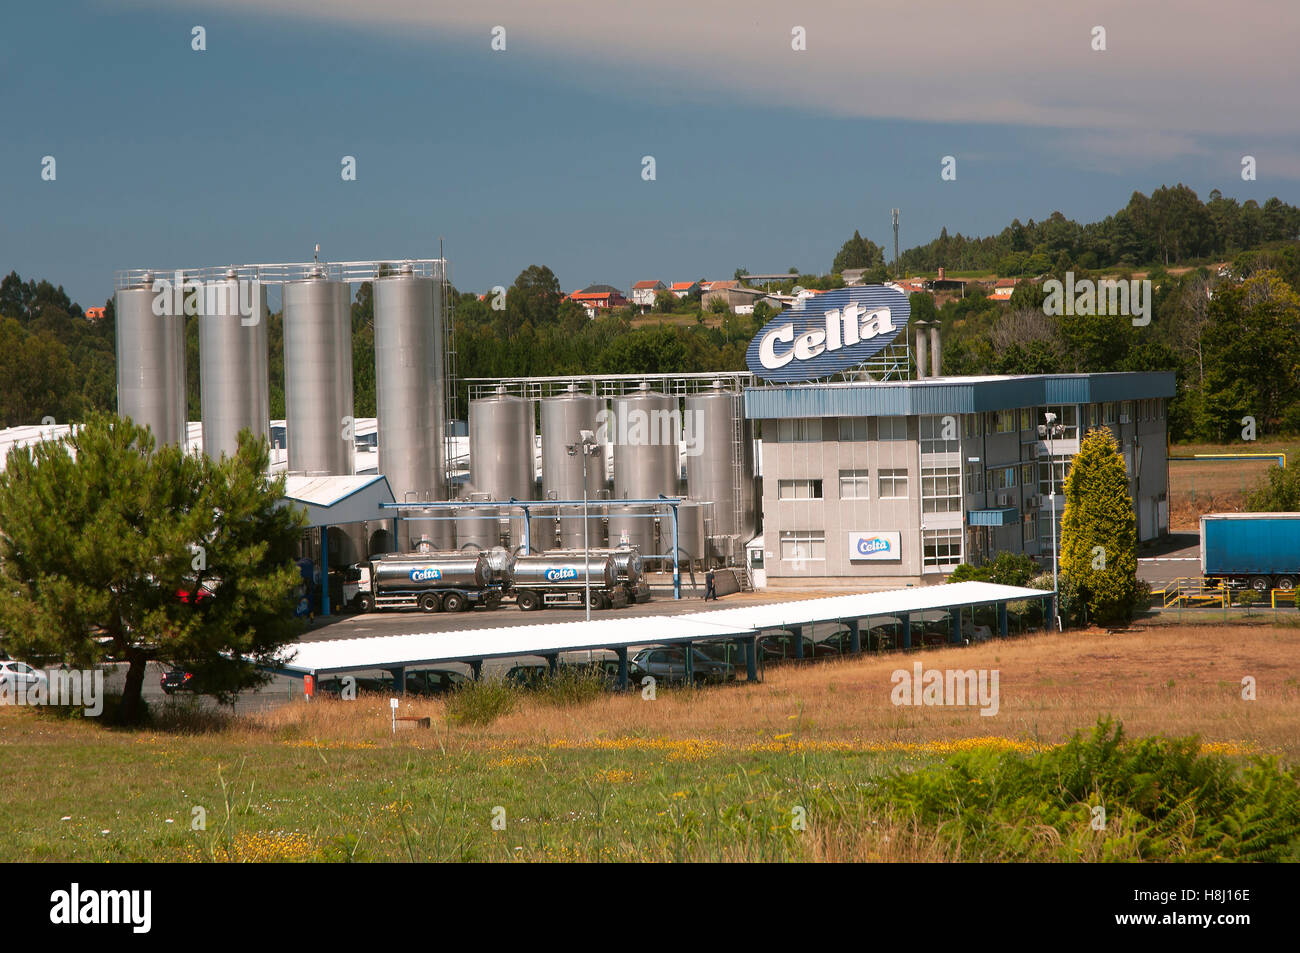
(1001, 516)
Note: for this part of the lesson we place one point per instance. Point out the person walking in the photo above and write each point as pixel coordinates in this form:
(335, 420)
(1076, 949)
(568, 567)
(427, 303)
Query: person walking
(709, 590)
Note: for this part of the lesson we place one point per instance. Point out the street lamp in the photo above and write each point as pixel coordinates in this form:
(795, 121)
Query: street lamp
(1052, 430)
(586, 446)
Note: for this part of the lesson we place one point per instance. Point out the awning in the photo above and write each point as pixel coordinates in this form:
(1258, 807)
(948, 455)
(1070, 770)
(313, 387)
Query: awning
(331, 500)
(1001, 516)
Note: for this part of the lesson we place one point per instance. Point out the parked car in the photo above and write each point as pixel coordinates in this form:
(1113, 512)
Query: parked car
(668, 664)
(780, 646)
(433, 682)
(367, 685)
(176, 679)
(17, 677)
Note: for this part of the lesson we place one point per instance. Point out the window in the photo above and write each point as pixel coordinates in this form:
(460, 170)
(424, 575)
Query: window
(799, 489)
(1066, 415)
(799, 431)
(756, 559)
(1028, 537)
(1109, 411)
(855, 484)
(939, 435)
(1045, 529)
(941, 548)
(893, 484)
(1046, 475)
(1006, 421)
(1002, 478)
(799, 545)
(974, 425)
(974, 478)
(1026, 474)
(853, 428)
(1126, 411)
(940, 490)
(1026, 420)
(891, 428)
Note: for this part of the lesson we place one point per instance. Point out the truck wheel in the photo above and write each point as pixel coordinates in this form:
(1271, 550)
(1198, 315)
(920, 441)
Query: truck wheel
(1260, 583)
(1286, 582)
(606, 601)
(429, 602)
(594, 600)
(363, 604)
(527, 600)
(454, 602)
(492, 601)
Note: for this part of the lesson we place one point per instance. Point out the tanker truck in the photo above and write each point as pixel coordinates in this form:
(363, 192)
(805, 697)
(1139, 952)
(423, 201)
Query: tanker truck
(628, 568)
(431, 582)
(560, 579)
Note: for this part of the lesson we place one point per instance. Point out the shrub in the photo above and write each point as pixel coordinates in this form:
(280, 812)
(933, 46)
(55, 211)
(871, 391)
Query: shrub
(572, 685)
(481, 702)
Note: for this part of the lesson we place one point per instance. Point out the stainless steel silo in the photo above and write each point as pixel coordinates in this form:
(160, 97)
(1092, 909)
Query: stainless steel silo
(691, 543)
(318, 377)
(720, 467)
(644, 431)
(564, 417)
(477, 527)
(233, 384)
(501, 448)
(408, 389)
(151, 361)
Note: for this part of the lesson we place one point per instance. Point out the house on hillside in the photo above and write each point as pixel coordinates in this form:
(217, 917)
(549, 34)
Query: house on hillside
(644, 293)
(598, 298)
(1002, 289)
(683, 289)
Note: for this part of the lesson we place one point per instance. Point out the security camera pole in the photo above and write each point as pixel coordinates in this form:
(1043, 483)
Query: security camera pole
(1051, 431)
(586, 445)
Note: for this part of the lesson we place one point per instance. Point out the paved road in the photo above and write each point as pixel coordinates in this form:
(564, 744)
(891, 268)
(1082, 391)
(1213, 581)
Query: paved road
(1179, 557)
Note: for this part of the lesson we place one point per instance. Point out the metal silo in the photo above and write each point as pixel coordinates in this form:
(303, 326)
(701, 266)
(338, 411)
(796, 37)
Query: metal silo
(151, 361)
(318, 376)
(501, 447)
(644, 432)
(564, 417)
(691, 545)
(233, 384)
(720, 467)
(408, 391)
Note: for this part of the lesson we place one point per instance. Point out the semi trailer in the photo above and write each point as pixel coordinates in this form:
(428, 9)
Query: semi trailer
(431, 582)
(560, 579)
(1256, 550)
(628, 568)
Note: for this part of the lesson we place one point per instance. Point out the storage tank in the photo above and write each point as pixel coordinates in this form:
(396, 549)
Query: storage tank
(719, 471)
(564, 417)
(501, 447)
(562, 569)
(477, 527)
(151, 362)
(318, 376)
(234, 389)
(645, 432)
(409, 394)
(432, 571)
(691, 543)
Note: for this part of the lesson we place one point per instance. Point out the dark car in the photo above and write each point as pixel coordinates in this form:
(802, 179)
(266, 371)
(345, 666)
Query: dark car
(433, 682)
(176, 679)
(364, 686)
(780, 647)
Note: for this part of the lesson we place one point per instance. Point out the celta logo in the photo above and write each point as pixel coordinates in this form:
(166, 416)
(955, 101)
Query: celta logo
(426, 575)
(556, 575)
(874, 545)
(828, 333)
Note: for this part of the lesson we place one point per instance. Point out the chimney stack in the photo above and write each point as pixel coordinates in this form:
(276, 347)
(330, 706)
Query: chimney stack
(934, 349)
(920, 348)
(941, 272)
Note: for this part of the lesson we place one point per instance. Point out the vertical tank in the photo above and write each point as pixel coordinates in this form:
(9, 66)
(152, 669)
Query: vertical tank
(564, 417)
(233, 384)
(318, 376)
(718, 470)
(690, 532)
(501, 448)
(644, 431)
(408, 392)
(151, 361)
(478, 528)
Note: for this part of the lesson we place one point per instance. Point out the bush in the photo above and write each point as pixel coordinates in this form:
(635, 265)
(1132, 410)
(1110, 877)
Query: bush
(572, 685)
(1162, 799)
(481, 702)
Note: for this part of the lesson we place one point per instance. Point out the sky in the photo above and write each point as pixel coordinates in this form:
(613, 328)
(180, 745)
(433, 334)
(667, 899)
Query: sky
(765, 155)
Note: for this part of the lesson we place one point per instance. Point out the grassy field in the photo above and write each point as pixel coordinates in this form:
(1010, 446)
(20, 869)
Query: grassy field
(1217, 486)
(794, 768)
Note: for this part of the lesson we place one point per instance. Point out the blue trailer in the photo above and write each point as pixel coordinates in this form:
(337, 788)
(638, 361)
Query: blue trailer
(1259, 550)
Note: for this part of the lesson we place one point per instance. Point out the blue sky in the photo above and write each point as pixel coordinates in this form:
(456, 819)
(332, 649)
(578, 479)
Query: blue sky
(766, 157)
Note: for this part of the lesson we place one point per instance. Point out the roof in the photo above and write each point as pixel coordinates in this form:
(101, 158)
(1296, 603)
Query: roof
(594, 295)
(1006, 282)
(951, 395)
(648, 284)
(435, 648)
(723, 285)
(683, 285)
(339, 499)
(606, 289)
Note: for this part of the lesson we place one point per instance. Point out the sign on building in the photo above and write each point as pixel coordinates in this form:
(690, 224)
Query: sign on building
(875, 545)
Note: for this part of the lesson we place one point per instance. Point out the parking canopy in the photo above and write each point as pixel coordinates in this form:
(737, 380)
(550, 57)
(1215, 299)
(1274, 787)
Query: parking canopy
(437, 648)
(330, 500)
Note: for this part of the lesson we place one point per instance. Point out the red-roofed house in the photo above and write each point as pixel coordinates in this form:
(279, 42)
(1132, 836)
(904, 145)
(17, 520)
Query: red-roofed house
(643, 293)
(593, 302)
(683, 288)
(1002, 289)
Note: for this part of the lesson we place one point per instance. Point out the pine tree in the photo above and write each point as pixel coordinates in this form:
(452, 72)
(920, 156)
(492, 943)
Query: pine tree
(102, 532)
(1099, 530)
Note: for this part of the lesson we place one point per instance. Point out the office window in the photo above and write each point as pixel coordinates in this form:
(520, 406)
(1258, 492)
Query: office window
(799, 489)
(974, 425)
(1046, 475)
(1002, 478)
(1026, 420)
(1027, 474)
(1006, 421)
(1109, 411)
(1066, 415)
(802, 430)
(1126, 410)
(941, 548)
(855, 484)
(1045, 531)
(940, 490)
(1028, 537)
(932, 435)
(891, 428)
(974, 478)
(798, 545)
(853, 428)
(893, 485)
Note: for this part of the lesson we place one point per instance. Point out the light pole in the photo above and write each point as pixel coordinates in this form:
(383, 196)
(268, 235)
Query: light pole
(586, 445)
(1051, 431)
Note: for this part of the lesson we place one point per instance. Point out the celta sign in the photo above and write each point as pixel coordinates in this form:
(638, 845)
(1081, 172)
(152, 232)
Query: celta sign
(875, 545)
(828, 333)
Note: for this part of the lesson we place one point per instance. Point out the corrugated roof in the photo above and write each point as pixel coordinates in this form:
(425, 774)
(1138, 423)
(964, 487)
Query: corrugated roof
(339, 499)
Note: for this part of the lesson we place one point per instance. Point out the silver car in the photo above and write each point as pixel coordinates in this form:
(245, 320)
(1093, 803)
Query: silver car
(668, 664)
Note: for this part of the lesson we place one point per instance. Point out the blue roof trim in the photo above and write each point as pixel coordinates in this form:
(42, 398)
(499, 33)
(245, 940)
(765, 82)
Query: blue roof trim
(1001, 516)
(956, 395)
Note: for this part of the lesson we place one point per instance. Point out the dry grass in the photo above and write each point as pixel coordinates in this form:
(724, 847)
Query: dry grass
(1171, 680)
